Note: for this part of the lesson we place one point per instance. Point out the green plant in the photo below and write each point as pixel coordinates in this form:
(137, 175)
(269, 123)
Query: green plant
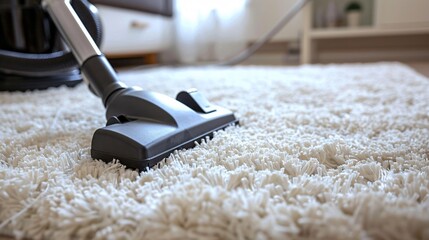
(353, 6)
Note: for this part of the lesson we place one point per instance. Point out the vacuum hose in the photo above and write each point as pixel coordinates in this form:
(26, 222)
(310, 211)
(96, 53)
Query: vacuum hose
(48, 63)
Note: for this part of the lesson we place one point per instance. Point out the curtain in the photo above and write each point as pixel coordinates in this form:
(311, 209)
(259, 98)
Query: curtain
(209, 30)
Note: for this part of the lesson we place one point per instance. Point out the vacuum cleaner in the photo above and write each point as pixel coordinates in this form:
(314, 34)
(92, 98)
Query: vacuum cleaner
(143, 127)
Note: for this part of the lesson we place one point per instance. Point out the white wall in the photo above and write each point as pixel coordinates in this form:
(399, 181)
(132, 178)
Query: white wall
(262, 15)
(402, 14)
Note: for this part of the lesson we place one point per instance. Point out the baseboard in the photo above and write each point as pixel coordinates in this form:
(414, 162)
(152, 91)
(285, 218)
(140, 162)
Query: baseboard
(372, 55)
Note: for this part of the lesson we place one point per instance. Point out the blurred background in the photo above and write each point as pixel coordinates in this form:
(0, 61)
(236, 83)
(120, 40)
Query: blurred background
(325, 31)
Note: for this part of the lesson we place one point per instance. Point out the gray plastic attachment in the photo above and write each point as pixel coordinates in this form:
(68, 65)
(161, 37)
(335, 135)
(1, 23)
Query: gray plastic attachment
(145, 127)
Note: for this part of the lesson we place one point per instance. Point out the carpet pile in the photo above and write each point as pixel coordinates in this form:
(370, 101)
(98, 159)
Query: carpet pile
(322, 152)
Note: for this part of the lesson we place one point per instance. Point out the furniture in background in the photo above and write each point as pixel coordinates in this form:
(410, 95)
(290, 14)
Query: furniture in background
(406, 22)
(388, 30)
(135, 28)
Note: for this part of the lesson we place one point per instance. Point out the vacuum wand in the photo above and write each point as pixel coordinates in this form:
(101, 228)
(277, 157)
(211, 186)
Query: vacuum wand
(94, 66)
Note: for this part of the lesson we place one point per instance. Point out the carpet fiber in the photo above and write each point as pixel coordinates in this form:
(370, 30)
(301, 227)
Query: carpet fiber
(326, 152)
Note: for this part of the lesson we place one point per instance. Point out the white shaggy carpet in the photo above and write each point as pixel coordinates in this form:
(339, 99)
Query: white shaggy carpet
(323, 152)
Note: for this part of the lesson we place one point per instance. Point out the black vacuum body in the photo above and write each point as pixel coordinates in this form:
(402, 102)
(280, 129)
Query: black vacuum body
(143, 127)
(32, 53)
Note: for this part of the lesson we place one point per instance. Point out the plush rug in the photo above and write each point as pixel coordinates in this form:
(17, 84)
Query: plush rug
(322, 152)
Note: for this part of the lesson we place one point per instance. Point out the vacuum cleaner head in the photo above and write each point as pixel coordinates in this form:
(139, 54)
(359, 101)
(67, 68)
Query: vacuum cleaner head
(144, 127)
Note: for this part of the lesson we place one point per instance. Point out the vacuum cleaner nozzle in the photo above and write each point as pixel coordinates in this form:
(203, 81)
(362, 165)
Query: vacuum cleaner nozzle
(144, 127)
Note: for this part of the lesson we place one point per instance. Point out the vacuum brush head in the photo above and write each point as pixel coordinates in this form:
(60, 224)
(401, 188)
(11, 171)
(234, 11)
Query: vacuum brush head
(145, 127)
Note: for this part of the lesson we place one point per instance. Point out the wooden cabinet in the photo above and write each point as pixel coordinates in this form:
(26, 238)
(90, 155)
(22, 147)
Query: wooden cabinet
(129, 33)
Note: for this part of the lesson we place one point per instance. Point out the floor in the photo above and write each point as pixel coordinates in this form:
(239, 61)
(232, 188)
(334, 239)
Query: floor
(421, 67)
